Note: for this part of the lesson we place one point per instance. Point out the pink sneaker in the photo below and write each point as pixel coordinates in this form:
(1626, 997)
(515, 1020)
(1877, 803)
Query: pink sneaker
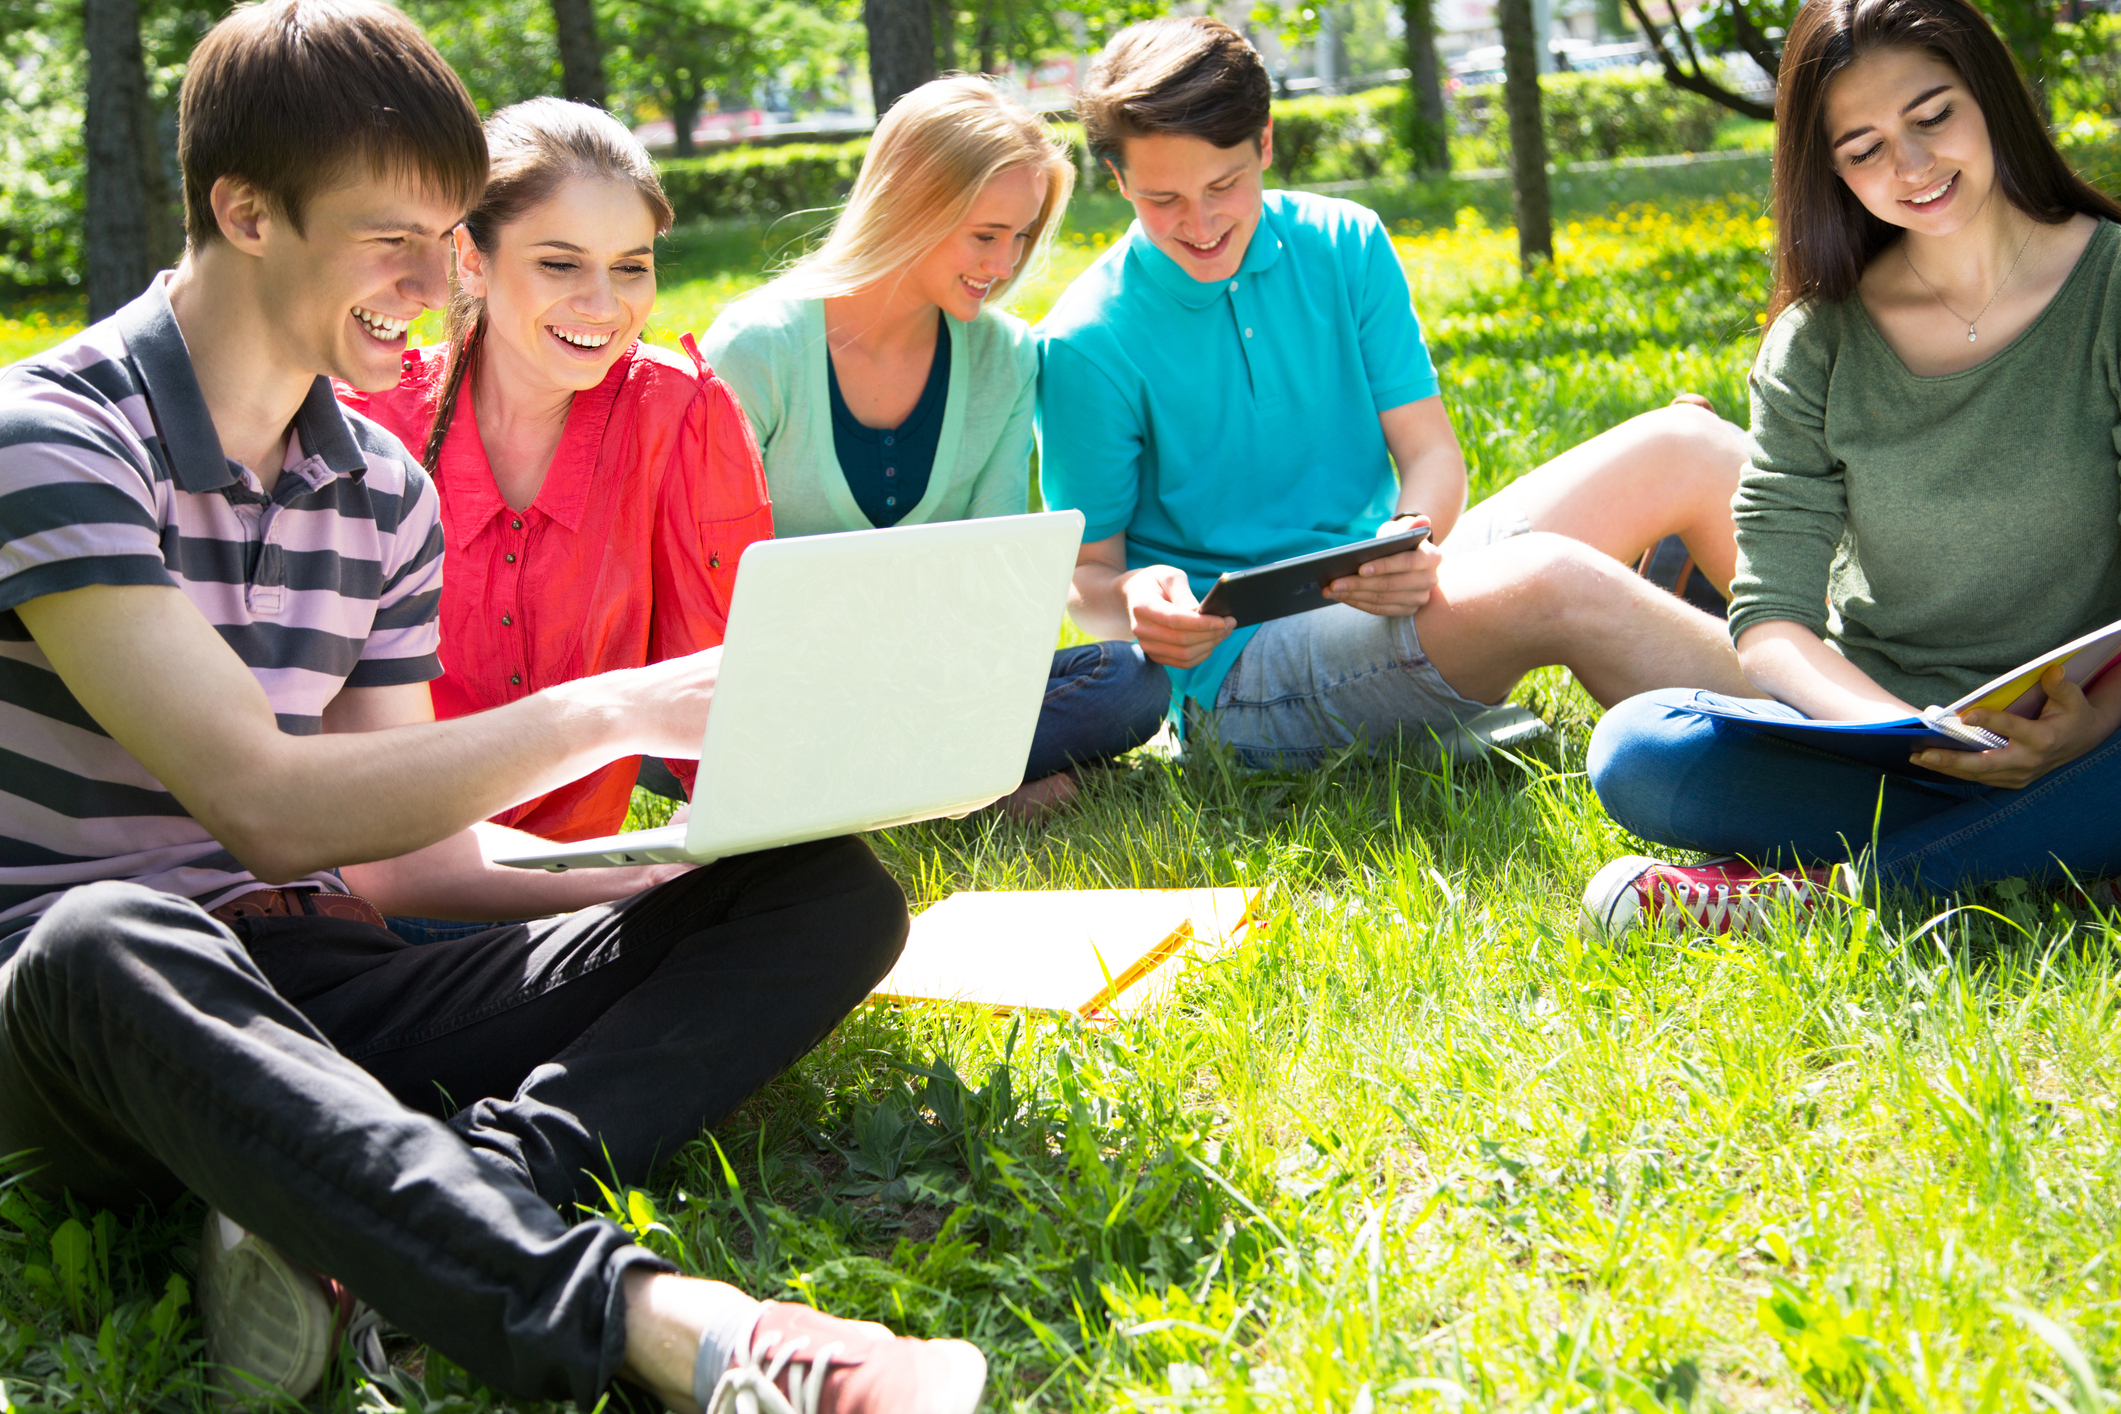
(1721, 896)
(806, 1362)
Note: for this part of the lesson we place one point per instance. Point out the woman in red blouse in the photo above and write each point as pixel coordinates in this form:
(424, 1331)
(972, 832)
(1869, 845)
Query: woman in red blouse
(596, 491)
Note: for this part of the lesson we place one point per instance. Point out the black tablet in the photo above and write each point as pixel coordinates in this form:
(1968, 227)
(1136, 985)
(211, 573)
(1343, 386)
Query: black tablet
(1298, 586)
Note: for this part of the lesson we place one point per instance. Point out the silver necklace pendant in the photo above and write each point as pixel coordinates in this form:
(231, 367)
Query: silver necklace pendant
(1971, 336)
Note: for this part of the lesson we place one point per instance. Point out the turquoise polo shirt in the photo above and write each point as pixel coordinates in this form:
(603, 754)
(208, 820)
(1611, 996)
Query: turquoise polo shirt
(1230, 423)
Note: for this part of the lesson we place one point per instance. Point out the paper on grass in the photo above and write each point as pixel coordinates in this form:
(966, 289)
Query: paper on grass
(1106, 952)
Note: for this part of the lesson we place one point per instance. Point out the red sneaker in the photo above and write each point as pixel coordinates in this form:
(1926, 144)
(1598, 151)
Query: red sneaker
(806, 1362)
(1721, 896)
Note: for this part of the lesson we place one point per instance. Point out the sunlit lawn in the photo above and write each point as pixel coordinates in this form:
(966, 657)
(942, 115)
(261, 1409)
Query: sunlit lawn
(1415, 1144)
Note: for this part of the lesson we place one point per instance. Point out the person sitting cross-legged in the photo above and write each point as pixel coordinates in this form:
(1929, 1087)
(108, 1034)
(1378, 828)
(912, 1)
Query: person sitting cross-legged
(1242, 379)
(888, 385)
(220, 601)
(1929, 502)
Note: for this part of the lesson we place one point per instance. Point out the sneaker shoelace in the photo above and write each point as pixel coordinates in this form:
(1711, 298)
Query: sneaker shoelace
(749, 1387)
(1734, 902)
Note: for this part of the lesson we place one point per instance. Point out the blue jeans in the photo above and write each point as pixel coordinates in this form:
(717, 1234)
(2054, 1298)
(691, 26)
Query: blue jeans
(1101, 699)
(1675, 776)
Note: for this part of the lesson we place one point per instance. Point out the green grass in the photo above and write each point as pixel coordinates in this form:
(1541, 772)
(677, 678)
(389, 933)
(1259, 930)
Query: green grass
(1415, 1144)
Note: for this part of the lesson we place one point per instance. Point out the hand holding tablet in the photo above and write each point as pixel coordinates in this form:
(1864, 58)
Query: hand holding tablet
(1297, 586)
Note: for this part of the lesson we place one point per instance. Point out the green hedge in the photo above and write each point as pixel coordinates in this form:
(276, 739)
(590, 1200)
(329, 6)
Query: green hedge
(763, 181)
(1589, 118)
(1359, 136)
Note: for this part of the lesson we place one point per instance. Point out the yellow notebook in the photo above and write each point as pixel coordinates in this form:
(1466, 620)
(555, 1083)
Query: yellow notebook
(1090, 952)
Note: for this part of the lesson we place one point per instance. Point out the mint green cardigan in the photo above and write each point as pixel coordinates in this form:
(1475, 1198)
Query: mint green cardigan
(771, 352)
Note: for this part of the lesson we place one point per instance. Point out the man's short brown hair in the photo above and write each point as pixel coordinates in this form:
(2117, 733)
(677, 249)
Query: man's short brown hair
(291, 94)
(1196, 77)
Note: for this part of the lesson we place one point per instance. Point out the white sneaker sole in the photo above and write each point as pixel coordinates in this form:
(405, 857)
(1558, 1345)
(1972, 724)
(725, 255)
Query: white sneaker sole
(964, 1383)
(268, 1326)
(1612, 905)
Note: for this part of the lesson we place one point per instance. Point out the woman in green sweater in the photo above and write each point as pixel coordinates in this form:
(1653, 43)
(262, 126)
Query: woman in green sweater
(886, 386)
(1933, 495)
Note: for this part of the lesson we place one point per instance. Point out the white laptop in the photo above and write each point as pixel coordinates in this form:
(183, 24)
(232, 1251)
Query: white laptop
(868, 679)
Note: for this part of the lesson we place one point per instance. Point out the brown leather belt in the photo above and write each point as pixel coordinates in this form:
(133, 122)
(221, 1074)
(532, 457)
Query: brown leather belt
(297, 903)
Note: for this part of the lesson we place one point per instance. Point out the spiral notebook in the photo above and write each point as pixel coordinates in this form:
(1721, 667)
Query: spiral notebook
(1887, 743)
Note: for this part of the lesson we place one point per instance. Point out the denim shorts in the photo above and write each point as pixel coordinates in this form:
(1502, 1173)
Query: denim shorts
(1309, 686)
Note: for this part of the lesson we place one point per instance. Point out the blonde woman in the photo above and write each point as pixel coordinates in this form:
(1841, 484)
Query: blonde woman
(886, 386)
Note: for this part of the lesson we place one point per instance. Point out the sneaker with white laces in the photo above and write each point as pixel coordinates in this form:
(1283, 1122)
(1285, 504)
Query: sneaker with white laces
(802, 1361)
(271, 1326)
(1723, 895)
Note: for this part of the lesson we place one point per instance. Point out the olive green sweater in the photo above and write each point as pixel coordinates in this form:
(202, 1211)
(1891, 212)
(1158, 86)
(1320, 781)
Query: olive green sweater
(1938, 532)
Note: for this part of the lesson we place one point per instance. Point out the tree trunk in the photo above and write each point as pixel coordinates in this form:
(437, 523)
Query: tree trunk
(1428, 121)
(581, 57)
(1528, 139)
(131, 228)
(686, 96)
(945, 36)
(984, 37)
(901, 48)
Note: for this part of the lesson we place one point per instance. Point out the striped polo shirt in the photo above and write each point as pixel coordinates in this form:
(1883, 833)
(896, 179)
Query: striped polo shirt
(111, 473)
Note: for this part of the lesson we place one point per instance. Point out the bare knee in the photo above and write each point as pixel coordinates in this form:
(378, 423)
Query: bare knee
(1686, 436)
(1545, 586)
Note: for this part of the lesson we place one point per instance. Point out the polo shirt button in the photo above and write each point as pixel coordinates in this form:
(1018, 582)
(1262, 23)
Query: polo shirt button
(891, 500)
(511, 555)
(515, 525)
(1248, 333)
(1233, 284)
(515, 679)
(504, 621)
(891, 471)
(887, 441)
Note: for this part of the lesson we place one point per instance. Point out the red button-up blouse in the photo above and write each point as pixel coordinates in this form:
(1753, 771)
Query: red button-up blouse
(627, 556)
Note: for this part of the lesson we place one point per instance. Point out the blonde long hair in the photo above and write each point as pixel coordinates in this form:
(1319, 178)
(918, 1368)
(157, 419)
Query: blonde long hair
(932, 155)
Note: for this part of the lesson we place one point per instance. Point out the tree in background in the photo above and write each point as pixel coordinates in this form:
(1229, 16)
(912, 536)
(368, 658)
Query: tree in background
(574, 24)
(504, 50)
(684, 52)
(130, 234)
(901, 48)
(1689, 56)
(1428, 120)
(1528, 137)
(1755, 28)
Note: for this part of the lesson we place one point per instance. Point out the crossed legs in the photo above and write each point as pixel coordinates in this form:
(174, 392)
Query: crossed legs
(144, 1049)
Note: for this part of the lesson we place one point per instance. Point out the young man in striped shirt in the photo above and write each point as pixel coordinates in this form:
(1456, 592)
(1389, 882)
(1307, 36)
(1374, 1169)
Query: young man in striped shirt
(217, 623)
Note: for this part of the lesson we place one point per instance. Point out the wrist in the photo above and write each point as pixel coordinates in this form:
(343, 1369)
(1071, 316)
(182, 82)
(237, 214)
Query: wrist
(591, 714)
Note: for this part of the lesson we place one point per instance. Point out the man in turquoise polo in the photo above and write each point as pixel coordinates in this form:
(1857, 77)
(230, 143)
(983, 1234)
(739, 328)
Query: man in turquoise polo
(1242, 378)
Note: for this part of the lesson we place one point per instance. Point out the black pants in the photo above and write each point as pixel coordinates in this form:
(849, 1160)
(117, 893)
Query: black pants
(406, 1118)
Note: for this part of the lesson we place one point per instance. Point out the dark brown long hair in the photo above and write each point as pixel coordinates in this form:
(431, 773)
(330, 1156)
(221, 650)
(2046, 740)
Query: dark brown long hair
(1826, 237)
(534, 147)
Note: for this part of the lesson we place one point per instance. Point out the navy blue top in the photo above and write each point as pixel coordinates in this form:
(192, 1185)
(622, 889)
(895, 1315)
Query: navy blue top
(887, 467)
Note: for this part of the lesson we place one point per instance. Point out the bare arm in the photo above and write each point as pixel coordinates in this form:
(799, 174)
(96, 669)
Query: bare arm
(155, 675)
(1791, 664)
(1432, 470)
(1788, 662)
(454, 878)
(1432, 491)
(1153, 605)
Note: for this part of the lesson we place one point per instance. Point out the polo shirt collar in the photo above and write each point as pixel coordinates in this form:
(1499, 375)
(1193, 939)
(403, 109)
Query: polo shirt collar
(149, 327)
(1172, 278)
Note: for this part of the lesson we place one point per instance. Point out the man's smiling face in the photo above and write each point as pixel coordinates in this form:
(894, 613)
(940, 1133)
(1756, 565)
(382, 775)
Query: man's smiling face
(1199, 203)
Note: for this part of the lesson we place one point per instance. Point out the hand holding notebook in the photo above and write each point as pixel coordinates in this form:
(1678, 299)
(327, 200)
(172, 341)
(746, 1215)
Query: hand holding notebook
(1890, 743)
